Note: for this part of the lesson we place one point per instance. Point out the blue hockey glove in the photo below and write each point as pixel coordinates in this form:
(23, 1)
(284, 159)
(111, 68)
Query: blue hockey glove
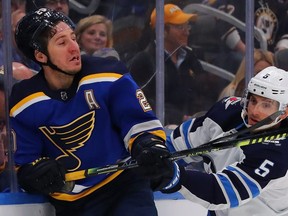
(43, 176)
(151, 154)
(174, 184)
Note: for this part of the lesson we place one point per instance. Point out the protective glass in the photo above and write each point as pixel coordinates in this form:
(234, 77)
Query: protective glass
(53, 2)
(183, 27)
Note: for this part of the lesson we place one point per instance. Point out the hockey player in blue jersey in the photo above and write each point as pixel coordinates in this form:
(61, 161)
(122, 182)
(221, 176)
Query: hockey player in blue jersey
(82, 112)
(250, 180)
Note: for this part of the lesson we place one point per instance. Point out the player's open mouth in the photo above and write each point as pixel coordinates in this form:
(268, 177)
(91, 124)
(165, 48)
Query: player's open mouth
(75, 58)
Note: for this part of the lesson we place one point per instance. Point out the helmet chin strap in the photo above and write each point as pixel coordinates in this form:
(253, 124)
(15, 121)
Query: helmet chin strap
(54, 67)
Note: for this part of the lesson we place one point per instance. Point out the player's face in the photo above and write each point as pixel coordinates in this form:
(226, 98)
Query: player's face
(259, 108)
(63, 49)
(94, 38)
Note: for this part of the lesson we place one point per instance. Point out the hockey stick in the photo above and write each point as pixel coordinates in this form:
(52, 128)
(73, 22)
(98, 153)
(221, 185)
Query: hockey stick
(264, 138)
(247, 130)
(214, 145)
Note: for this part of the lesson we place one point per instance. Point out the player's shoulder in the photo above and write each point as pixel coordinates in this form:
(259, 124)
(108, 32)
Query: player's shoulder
(230, 102)
(93, 64)
(24, 88)
(226, 112)
(227, 104)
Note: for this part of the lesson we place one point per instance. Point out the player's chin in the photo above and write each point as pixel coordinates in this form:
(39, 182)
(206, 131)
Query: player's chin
(74, 70)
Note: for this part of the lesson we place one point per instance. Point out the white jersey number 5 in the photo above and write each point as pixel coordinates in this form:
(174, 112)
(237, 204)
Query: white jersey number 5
(263, 170)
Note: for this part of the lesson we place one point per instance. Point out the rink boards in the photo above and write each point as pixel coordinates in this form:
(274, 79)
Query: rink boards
(16, 204)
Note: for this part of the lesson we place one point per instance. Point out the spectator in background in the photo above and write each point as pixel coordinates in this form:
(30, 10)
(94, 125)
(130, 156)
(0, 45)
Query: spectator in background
(281, 59)
(17, 56)
(262, 59)
(20, 72)
(94, 36)
(270, 16)
(58, 5)
(182, 68)
(15, 5)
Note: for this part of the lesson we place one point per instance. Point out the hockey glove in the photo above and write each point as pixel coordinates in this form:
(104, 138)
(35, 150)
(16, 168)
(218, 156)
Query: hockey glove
(42, 176)
(174, 184)
(151, 154)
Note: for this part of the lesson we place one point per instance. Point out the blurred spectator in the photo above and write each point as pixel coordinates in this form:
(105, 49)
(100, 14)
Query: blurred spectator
(220, 42)
(262, 59)
(20, 72)
(94, 36)
(17, 56)
(270, 16)
(182, 68)
(281, 59)
(115, 10)
(58, 5)
(15, 5)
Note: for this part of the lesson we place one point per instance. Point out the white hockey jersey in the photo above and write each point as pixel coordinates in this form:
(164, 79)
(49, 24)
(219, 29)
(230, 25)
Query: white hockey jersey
(251, 180)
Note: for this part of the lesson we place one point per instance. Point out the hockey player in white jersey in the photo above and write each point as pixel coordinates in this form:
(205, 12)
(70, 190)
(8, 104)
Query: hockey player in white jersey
(250, 180)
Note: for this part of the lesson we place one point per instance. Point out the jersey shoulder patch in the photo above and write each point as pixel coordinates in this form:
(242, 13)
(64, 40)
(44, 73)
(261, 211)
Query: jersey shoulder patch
(230, 101)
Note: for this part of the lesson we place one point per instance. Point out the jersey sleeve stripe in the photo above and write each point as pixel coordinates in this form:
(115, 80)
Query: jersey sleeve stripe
(101, 77)
(145, 126)
(229, 190)
(252, 185)
(185, 129)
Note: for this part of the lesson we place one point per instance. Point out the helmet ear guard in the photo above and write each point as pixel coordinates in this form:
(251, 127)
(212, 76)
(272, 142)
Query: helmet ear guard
(271, 83)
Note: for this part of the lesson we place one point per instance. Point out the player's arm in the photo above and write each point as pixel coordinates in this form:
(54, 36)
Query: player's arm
(142, 132)
(230, 188)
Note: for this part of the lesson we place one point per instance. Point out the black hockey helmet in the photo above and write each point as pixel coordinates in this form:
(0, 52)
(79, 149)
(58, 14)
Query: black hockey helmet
(32, 25)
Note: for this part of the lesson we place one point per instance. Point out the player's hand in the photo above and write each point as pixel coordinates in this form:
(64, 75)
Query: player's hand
(171, 183)
(43, 176)
(151, 154)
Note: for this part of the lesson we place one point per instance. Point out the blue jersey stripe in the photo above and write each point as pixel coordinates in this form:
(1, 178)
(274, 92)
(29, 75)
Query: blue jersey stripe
(185, 128)
(251, 185)
(234, 202)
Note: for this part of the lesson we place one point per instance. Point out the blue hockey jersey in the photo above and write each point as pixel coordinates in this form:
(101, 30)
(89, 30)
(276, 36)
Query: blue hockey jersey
(251, 180)
(91, 124)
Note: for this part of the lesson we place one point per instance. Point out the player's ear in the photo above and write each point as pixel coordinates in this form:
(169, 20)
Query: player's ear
(40, 57)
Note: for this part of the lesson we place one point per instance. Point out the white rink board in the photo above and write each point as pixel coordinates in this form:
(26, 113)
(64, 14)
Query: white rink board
(179, 208)
(37, 209)
(22, 204)
(164, 207)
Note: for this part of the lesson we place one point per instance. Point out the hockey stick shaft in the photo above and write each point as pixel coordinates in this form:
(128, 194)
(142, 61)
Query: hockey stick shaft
(264, 138)
(240, 142)
(251, 129)
(131, 164)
